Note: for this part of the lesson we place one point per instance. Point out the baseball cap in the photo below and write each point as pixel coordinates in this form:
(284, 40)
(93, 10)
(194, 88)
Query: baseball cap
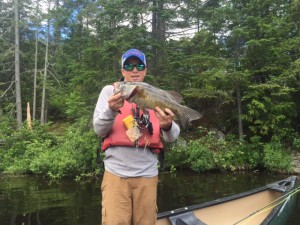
(133, 53)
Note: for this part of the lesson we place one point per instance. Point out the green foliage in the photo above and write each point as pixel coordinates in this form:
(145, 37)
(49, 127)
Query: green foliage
(210, 153)
(178, 155)
(22, 146)
(276, 158)
(200, 157)
(232, 154)
(253, 152)
(75, 105)
(269, 109)
(7, 126)
(75, 152)
(45, 152)
(238, 49)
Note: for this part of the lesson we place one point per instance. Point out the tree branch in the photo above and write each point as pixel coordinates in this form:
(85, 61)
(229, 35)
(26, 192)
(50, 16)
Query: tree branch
(12, 82)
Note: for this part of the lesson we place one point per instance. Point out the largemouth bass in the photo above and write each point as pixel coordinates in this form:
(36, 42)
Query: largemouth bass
(147, 96)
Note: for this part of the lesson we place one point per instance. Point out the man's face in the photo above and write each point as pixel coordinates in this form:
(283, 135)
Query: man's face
(135, 75)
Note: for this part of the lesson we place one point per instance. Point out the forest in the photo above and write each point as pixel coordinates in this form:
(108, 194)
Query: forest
(235, 61)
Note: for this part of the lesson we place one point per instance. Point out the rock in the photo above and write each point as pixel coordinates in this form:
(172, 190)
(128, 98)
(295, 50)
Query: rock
(296, 162)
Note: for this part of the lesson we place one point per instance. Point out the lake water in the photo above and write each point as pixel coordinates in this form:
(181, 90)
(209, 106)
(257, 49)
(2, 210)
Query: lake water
(36, 201)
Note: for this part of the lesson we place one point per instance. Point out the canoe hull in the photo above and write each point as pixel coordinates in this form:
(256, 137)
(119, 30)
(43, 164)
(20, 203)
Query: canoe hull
(283, 213)
(268, 205)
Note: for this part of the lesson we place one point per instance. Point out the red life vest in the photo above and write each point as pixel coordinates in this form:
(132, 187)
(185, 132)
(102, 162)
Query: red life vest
(117, 136)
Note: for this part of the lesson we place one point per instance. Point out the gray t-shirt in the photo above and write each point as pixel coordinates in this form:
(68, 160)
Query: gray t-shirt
(126, 161)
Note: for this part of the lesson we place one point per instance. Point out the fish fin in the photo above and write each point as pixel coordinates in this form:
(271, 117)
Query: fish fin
(186, 115)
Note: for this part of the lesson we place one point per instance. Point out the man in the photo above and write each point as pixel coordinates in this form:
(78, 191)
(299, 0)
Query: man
(129, 185)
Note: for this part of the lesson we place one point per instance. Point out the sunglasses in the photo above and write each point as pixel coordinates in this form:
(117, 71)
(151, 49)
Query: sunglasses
(130, 67)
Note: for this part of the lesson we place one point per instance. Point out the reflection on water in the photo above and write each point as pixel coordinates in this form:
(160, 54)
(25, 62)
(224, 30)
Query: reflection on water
(26, 219)
(188, 189)
(36, 201)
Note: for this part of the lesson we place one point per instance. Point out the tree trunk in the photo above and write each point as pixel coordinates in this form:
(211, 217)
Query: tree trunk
(57, 32)
(43, 108)
(154, 36)
(239, 105)
(161, 27)
(17, 67)
(35, 61)
(158, 35)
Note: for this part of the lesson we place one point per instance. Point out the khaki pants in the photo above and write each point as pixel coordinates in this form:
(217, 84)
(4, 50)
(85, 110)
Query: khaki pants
(128, 201)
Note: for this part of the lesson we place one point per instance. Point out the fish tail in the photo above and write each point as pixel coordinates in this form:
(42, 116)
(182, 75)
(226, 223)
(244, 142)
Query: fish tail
(186, 115)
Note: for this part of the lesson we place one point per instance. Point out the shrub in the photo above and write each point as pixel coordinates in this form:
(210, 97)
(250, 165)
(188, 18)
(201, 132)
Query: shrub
(22, 146)
(200, 156)
(276, 158)
(253, 153)
(178, 154)
(42, 151)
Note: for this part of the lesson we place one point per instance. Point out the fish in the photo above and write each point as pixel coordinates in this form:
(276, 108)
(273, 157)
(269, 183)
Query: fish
(147, 96)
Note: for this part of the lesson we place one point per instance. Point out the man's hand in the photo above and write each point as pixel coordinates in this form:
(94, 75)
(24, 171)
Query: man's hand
(115, 102)
(165, 118)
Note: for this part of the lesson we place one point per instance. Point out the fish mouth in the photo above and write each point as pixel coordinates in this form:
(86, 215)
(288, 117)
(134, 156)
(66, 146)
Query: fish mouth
(133, 93)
